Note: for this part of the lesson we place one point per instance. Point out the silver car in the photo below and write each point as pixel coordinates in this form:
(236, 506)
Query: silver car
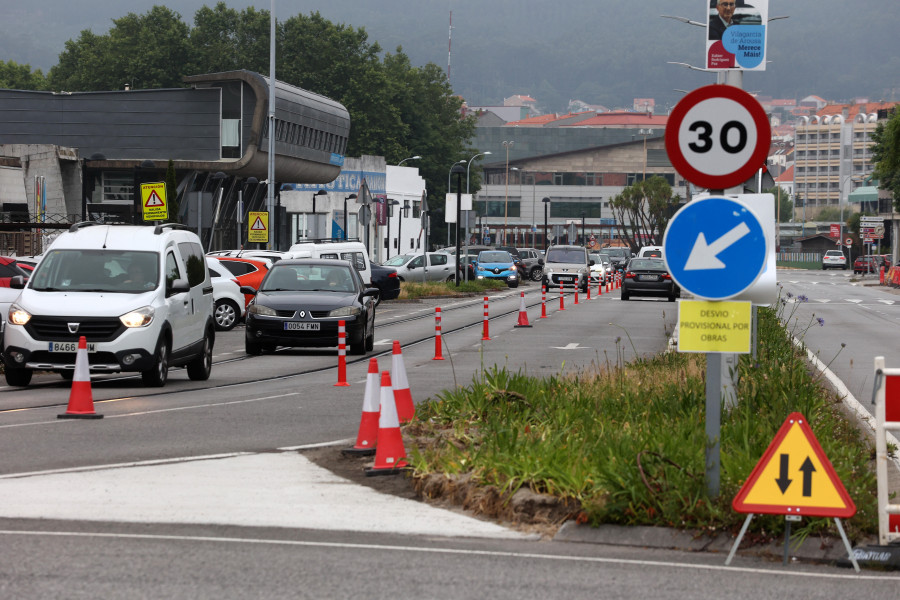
(411, 267)
(602, 267)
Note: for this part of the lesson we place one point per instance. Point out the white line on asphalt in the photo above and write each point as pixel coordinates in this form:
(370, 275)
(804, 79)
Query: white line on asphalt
(321, 445)
(161, 410)
(141, 463)
(775, 572)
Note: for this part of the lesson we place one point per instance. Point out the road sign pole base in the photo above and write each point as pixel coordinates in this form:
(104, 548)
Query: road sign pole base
(737, 542)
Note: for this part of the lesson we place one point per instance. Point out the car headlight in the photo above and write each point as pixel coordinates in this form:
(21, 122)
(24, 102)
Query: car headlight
(262, 311)
(345, 311)
(138, 318)
(18, 315)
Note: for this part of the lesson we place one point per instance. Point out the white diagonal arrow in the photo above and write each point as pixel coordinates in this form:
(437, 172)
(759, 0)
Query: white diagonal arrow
(703, 255)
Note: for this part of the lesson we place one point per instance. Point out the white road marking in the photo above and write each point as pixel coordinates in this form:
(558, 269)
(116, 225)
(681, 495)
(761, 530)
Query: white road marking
(571, 346)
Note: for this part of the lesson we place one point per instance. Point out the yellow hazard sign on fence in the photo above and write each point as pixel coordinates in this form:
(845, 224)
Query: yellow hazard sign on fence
(153, 201)
(258, 227)
(794, 477)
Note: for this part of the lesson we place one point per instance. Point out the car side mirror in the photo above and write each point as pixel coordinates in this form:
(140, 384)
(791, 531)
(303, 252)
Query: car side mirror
(178, 286)
(17, 282)
(371, 292)
(591, 263)
(246, 289)
(411, 267)
(541, 261)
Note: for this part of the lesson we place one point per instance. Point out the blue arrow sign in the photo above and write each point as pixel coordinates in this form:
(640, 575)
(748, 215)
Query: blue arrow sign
(715, 248)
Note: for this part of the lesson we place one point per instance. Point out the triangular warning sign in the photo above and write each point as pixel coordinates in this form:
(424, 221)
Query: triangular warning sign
(154, 200)
(794, 477)
(258, 225)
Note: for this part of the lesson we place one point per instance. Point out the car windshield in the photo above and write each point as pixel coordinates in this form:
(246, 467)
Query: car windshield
(565, 255)
(617, 252)
(495, 257)
(309, 278)
(647, 264)
(398, 261)
(118, 271)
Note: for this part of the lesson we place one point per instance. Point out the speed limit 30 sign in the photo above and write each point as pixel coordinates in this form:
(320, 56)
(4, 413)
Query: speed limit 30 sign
(718, 136)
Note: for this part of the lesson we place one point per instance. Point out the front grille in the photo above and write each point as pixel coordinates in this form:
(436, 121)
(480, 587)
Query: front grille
(95, 329)
(319, 314)
(285, 313)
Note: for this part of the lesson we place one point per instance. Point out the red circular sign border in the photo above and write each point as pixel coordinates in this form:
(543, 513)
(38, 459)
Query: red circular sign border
(739, 176)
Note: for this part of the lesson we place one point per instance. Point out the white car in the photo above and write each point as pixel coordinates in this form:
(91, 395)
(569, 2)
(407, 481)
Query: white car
(602, 267)
(410, 267)
(228, 301)
(834, 259)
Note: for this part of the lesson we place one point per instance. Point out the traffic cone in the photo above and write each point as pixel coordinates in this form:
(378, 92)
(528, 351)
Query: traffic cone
(486, 328)
(543, 301)
(402, 396)
(81, 401)
(390, 454)
(523, 313)
(600, 285)
(368, 425)
(588, 288)
(342, 355)
(562, 303)
(576, 293)
(438, 345)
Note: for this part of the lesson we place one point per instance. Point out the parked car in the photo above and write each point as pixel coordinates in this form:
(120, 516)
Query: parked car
(410, 267)
(141, 295)
(354, 252)
(496, 264)
(248, 271)
(567, 265)
(517, 259)
(387, 282)
(648, 277)
(9, 268)
(467, 262)
(228, 301)
(300, 303)
(532, 263)
(867, 264)
(834, 259)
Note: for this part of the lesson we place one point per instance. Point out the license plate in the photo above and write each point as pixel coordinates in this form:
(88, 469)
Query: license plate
(70, 347)
(301, 326)
(648, 277)
(567, 279)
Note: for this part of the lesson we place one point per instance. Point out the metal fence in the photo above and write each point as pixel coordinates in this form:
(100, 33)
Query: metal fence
(28, 238)
(812, 257)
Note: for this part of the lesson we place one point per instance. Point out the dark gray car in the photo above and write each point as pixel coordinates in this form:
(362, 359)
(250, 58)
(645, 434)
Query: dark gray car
(533, 263)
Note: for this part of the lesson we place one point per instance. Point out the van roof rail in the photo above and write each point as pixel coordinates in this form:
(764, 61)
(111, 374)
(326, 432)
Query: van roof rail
(83, 224)
(163, 226)
(326, 240)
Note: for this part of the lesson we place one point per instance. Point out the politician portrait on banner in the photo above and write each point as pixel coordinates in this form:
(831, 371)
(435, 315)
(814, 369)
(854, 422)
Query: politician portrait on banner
(736, 34)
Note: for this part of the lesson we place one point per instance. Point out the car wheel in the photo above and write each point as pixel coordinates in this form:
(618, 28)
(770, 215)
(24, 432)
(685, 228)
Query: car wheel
(18, 377)
(370, 340)
(358, 343)
(252, 348)
(537, 274)
(200, 368)
(625, 296)
(672, 298)
(226, 314)
(377, 298)
(451, 279)
(156, 375)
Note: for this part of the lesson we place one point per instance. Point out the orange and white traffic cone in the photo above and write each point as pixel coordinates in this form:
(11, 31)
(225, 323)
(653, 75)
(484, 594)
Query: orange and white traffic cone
(81, 400)
(438, 352)
(368, 425)
(486, 328)
(576, 293)
(342, 355)
(562, 303)
(406, 410)
(523, 313)
(390, 454)
(588, 288)
(600, 285)
(543, 301)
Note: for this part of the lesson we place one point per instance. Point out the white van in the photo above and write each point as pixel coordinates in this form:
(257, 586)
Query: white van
(651, 252)
(141, 295)
(354, 252)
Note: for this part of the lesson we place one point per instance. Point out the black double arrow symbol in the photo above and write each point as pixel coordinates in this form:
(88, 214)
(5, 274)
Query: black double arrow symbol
(807, 468)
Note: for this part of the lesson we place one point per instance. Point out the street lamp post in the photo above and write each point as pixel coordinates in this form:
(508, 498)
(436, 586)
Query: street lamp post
(457, 163)
(388, 204)
(239, 210)
(546, 202)
(404, 213)
(346, 217)
(416, 157)
(458, 169)
(466, 228)
(583, 238)
(507, 145)
(315, 225)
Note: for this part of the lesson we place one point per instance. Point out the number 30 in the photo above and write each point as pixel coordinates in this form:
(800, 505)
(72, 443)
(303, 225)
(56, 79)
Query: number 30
(704, 141)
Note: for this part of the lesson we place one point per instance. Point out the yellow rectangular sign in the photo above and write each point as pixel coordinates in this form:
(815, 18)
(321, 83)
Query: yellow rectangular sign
(705, 326)
(258, 227)
(153, 201)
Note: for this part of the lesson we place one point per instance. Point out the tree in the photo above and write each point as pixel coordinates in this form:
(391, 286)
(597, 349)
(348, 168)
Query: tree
(224, 39)
(14, 76)
(643, 210)
(886, 156)
(784, 206)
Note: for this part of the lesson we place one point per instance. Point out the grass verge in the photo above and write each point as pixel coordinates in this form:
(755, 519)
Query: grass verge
(626, 444)
(411, 290)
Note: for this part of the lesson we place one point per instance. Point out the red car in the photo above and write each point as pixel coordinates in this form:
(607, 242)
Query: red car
(9, 268)
(247, 271)
(867, 264)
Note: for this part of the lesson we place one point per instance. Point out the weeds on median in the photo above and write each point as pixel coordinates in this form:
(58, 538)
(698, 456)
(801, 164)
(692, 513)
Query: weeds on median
(413, 290)
(626, 443)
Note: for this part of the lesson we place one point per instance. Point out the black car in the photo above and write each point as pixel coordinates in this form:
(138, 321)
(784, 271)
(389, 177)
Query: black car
(648, 277)
(300, 302)
(387, 282)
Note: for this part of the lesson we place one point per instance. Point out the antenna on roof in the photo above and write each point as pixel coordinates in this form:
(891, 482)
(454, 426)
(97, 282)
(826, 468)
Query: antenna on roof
(449, 45)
